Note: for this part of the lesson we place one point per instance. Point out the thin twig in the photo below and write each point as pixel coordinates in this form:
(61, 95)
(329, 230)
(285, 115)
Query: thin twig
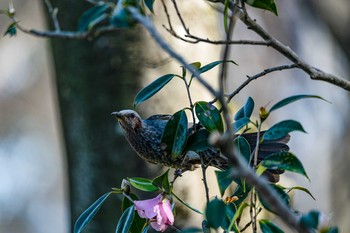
(256, 76)
(53, 12)
(204, 169)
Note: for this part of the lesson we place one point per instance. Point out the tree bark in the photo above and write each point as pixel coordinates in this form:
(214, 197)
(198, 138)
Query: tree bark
(93, 79)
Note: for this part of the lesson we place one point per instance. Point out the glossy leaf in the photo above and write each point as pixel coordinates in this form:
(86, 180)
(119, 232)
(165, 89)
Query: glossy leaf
(264, 4)
(191, 230)
(11, 30)
(209, 116)
(162, 182)
(239, 114)
(281, 129)
(90, 17)
(284, 161)
(224, 179)
(292, 99)
(241, 194)
(126, 220)
(175, 134)
(243, 148)
(198, 141)
(152, 89)
(302, 189)
(311, 219)
(210, 66)
(138, 222)
(142, 184)
(149, 4)
(89, 213)
(213, 213)
(239, 124)
(249, 107)
(281, 193)
(267, 226)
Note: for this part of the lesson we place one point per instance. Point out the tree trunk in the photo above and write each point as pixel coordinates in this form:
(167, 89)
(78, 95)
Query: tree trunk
(93, 79)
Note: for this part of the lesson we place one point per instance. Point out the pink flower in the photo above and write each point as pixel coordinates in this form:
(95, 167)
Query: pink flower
(158, 210)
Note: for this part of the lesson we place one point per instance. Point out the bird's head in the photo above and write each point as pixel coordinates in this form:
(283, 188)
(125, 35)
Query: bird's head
(128, 119)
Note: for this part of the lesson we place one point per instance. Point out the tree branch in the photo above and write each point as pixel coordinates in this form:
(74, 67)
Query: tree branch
(226, 143)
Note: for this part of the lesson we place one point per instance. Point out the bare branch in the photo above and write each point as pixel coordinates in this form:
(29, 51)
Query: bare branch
(226, 143)
(261, 74)
(53, 12)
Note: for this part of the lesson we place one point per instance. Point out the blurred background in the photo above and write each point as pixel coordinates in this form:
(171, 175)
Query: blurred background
(60, 149)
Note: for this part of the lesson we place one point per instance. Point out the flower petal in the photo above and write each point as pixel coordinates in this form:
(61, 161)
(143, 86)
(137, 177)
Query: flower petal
(168, 211)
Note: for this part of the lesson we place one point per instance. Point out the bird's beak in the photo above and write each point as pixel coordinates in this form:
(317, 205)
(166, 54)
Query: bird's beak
(116, 114)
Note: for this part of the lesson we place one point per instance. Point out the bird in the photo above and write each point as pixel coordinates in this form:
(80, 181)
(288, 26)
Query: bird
(145, 137)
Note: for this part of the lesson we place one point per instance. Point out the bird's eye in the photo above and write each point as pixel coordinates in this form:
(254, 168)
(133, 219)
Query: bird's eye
(132, 115)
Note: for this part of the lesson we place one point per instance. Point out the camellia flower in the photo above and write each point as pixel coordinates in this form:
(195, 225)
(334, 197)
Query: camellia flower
(158, 210)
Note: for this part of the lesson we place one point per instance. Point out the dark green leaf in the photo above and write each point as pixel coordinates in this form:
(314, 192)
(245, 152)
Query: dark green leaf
(126, 220)
(209, 116)
(138, 223)
(281, 193)
(152, 89)
(89, 213)
(162, 182)
(175, 134)
(210, 66)
(198, 141)
(214, 212)
(249, 107)
(237, 125)
(291, 99)
(264, 4)
(11, 30)
(224, 179)
(239, 114)
(241, 194)
(237, 215)
(90, 17)
(269, 227)
(191, 230)
(243, 148)
(284, 161)
(142, 184)
(149, 4)
(310, 220)
(281, 129)
(145, 229)
(331, 230)
(302, 189)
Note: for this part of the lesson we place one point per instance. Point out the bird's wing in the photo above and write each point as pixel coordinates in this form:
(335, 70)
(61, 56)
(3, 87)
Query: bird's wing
(157, 121)
(159, 117)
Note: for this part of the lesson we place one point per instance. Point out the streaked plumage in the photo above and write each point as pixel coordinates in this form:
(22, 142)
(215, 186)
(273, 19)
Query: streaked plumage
(144, 136)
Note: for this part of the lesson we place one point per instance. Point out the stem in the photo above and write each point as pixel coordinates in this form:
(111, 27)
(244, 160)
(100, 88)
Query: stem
(204, 169)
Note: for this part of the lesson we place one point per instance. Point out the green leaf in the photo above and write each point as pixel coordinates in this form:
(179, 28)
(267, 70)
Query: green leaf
(4, 12)
(241, 194)
(142, 184)
(264, 4)
(191, 230)
(310, 220)
(224, 179)
(162, 182)
(149, 4)
(198, 141)
(281, 129)
(284, 161)
(331, 230)
(243, 148)
(281, 193)
(126, 220)
(210, 66)
(209, 116)
(11, 30)
(214, 213)
(249, 107)
(239, 124)
(152, 89)
(175, 134)
(301, 189)
(186, 204)
(138, 223)
(269, 227)
(92, 16)
(89, 213)
(237, 215)
(292, 99)
(145, 229)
